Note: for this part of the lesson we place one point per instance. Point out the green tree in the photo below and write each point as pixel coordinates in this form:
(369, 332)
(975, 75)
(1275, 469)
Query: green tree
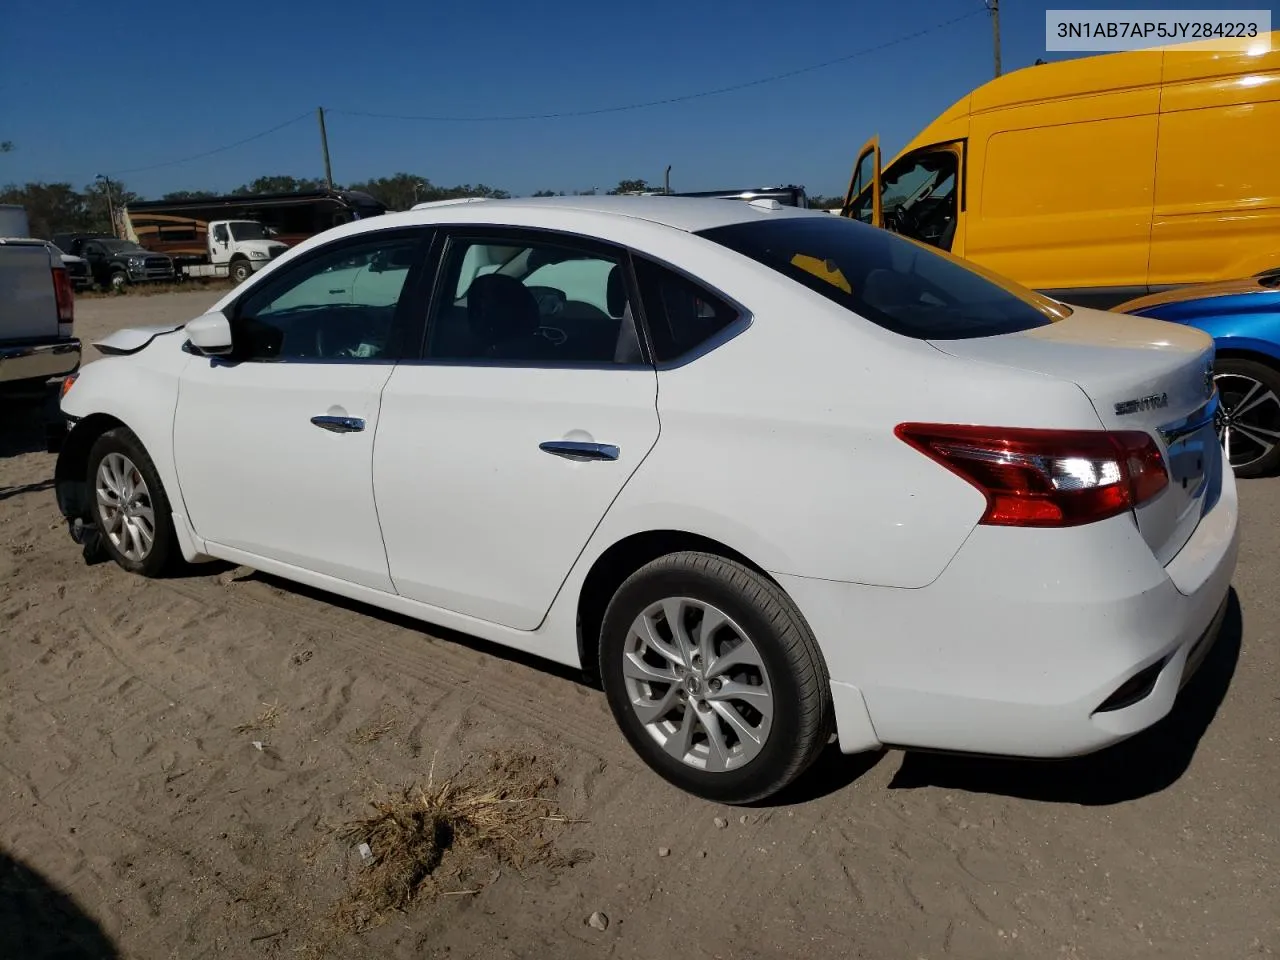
(400, 191)
(51, 207)
(188, 195)
(278, 184)
(97, 208)
(631, 186)
(547, 193)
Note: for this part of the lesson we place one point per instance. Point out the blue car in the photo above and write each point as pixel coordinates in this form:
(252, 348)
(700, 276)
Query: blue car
(1243, 317)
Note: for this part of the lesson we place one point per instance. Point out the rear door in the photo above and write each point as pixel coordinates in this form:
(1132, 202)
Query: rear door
(499, 452)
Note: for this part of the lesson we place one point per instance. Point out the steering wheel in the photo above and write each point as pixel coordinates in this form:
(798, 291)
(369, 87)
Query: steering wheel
(550, 300)
(900, 220)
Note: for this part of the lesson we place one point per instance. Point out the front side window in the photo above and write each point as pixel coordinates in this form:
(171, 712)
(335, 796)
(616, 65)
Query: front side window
(532, 302)
(248, 230)
(918, 198)
(896, 283)
(340, 304)
(220, 233)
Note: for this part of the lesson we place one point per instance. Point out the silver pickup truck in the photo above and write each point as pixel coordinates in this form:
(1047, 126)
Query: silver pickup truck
(37, 309)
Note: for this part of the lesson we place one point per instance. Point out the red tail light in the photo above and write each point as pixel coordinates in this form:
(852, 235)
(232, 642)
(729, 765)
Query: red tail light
(64, 295)
(1046, 478)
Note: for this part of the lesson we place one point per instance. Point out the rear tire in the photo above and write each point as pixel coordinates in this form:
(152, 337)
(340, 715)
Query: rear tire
(129, 506)
(744, 710)
(1250, 419)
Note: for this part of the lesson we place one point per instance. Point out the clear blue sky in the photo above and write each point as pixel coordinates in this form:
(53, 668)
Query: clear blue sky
(89, 88)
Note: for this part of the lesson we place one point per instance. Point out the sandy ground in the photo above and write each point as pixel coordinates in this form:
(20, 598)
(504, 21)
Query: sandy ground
(138, 818)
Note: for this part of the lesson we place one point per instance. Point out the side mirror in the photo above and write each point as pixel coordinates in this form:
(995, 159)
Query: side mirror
(210, 334)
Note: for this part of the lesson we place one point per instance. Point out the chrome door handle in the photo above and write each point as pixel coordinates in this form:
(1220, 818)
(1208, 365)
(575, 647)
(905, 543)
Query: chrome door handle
(339, 424)
(576, 450)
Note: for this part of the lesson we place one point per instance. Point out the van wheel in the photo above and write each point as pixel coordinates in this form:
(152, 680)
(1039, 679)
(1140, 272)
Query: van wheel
(241, 271)
(714, 677)
(1249, 418)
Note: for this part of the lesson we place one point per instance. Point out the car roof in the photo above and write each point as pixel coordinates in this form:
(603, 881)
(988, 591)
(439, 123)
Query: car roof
(690, 214)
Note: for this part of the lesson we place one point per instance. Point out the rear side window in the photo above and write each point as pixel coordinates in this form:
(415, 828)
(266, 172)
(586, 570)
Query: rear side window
(682, 315)
(903, 286)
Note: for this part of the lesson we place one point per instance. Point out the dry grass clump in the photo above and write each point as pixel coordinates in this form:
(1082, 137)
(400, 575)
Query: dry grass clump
(263, 721)
(500, 812)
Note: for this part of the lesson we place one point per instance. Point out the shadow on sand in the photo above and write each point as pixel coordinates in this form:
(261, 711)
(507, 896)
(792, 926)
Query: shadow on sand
(40, 922)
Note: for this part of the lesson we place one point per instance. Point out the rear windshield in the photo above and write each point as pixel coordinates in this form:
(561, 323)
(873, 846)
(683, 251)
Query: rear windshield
(899, 284)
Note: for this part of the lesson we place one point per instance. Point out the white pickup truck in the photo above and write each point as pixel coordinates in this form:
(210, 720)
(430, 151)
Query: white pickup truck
(37, 309)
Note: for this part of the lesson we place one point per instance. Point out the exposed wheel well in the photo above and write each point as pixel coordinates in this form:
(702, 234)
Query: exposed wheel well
(620, 561)
(1234, 353)
(71, 473)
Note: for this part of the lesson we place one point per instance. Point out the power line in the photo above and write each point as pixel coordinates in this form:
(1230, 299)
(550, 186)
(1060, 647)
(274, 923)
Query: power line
(209, 153)
(668, 100)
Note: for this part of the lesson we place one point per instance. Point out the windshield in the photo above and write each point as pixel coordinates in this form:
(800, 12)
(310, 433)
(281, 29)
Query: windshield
(247, 230)
(899, 284)
(120, 246)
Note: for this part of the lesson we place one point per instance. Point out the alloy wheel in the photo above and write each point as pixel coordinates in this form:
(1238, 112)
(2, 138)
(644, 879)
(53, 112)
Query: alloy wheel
(698, 684)
(125, 507)
(1248, 421)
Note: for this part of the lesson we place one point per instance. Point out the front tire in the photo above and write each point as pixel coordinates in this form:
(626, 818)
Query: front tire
(129, 506)
(1249, 422)
(241, 270)
(714, 677)
(118, 281)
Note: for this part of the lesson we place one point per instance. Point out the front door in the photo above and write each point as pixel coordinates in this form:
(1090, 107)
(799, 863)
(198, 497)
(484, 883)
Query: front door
(862, 200)
(274, 444)
(501, 450)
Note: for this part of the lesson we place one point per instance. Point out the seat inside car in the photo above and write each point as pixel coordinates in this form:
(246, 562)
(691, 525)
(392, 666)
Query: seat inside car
(504, 319)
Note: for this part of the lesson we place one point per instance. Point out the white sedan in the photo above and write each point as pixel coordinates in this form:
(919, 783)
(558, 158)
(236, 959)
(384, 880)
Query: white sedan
(771, 475)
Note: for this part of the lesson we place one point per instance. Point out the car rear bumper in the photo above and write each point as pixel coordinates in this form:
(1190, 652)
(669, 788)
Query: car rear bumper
(1033, 643)
(41, 360)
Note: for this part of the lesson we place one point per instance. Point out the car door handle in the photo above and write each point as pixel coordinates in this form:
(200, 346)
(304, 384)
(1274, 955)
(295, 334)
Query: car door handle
(339, 424)
(577, 450)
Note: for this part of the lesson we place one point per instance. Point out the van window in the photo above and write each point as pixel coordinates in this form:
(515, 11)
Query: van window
(919, 197)
(898, 284)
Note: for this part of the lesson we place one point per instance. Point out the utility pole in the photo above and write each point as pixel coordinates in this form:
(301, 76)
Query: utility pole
(111, 206)
(666, 180)
(994, 7)
(324, 147)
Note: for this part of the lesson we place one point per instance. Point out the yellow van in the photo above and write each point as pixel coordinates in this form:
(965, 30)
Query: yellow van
(1098, 179)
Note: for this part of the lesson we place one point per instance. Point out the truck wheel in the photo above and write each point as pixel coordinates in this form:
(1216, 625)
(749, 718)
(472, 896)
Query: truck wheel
(241, 270)
(119, 280)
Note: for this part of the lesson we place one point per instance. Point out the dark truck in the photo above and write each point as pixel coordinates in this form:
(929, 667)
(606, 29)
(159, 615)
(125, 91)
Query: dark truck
(114, 264)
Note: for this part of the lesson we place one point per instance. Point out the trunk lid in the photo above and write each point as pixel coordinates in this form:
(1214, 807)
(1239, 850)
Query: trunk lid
(1139, 374)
